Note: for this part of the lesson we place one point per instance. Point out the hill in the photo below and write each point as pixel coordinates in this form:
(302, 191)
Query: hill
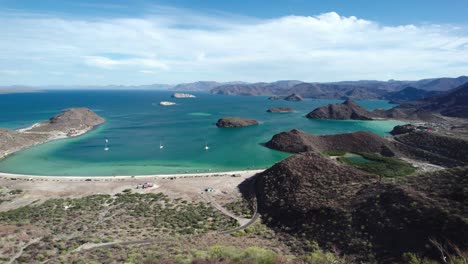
(313, 198)
(409, 94)
(453, 103)
(344, 111)
(296, 141)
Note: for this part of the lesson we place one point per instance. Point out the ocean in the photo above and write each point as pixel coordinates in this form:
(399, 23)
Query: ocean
(136, 126)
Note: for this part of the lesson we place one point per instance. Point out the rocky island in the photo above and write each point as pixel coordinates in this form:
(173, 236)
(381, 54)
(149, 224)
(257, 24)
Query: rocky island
(70, 123)
(236, 122)
(293, 97)
(183, 95)
(280, 110)
(345, 111)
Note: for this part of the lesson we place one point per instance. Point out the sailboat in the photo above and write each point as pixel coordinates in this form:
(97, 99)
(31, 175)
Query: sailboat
(106, 148)
(160, 145)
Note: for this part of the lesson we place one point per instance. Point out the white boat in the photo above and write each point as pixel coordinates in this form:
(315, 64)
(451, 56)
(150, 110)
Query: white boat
(166, 103)
(106, 148)
(160, 145)
(183, 95)
(206, 147)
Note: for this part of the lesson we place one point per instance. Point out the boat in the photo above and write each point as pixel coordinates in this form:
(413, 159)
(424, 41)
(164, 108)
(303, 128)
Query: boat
(166, 103)
(106, 148)
(160, 145)
(183, 95)
(206, 146)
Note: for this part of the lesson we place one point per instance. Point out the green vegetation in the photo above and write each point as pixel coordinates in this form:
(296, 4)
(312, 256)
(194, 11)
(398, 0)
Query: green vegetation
(383, 166)
(254, 255)
(240, 208)
(70, 223)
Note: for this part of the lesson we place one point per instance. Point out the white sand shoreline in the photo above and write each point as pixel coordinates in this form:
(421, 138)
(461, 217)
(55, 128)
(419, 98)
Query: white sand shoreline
(117, 177)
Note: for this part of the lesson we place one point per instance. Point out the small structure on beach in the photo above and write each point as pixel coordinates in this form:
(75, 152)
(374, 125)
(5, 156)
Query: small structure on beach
(145, 185)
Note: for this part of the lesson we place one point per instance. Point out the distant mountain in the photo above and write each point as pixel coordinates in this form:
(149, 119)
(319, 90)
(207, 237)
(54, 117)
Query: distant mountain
(261, 88)
(441, 84)
(156, 86)
(409, 94)
(309, 90)
(17, 89)
(201, 86)
(453, 103)
(366, 89)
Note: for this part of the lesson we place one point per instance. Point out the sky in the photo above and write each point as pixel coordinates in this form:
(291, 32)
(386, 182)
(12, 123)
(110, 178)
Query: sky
(84, 42)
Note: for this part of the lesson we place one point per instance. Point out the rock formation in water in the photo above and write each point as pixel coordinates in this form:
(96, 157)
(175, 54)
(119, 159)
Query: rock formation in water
(280, 110)
(344, 111)
(71, 122)
(230, 122)
(293, 97)
(314, 198)
(73, 119)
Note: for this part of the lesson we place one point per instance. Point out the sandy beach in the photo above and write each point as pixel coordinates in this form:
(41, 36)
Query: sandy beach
(185, 186)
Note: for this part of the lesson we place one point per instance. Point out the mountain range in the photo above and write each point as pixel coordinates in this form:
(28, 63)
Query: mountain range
(347, 89)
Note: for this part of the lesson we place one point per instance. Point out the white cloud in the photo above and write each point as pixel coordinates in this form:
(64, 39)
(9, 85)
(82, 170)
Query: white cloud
(107, 63)
(188, 47)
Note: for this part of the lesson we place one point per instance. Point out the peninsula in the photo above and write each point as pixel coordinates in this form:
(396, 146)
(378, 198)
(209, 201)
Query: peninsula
(70, 123)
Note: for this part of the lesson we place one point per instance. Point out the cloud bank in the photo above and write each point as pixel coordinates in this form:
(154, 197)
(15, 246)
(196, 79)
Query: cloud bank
(179, 46)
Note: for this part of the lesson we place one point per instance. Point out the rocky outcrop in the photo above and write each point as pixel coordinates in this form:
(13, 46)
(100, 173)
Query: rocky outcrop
(293, 97)
(71, 122)
(230, 122)
(312, 197)
(455, 149)
(73, 119)
(345, 111)
(280, 110)
(403, 129)
(296, 141)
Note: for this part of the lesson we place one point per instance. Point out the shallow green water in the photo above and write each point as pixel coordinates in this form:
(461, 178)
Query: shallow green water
(136, 125)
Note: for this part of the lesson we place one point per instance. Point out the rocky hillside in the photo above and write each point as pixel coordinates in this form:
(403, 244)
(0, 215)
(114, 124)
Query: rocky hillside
(12, 141)
(261, 88)
(314, 198)
(350, 110)
(344, 111)
(408, 94)
(452, 148)
(280, 110)
(69, 120)
(453, 103)
(296, 141)
(339, 90)
(230, 122)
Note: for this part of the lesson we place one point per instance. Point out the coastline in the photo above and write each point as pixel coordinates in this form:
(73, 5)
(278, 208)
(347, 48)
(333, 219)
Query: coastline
(37, 189)
(123, 177)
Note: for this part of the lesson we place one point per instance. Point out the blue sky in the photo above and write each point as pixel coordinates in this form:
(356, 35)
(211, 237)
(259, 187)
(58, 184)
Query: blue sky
(141, 42)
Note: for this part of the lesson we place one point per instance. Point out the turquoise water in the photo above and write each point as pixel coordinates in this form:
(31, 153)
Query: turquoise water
(136, 124)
